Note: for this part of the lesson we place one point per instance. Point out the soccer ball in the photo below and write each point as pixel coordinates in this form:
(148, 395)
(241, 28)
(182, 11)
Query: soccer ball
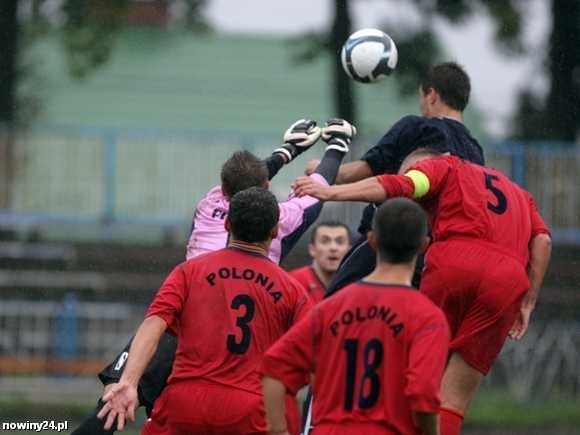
(369, 55)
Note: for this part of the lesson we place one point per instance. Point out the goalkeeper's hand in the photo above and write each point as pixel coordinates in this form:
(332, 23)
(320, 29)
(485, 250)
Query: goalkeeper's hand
(298, 138)
(338, 134)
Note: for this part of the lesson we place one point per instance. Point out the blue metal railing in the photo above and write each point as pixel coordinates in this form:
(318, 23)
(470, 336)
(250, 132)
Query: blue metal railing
(151, 177)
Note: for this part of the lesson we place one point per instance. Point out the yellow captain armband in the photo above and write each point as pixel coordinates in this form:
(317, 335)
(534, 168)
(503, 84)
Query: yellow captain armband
(420, 181)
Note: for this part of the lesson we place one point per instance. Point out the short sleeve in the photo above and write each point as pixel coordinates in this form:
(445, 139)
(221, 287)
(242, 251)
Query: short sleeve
(436, 170)
(388, 154)
(169, 300)
(291, 359)
(538, 224)
(427, 357)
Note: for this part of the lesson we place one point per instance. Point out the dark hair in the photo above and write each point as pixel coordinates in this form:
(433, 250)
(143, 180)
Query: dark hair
(241, 171)
(329, 223)
(451, 83)
(400, 226)
(252, 214)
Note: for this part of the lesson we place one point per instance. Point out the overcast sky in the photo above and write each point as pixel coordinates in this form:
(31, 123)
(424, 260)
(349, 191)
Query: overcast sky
(495, 78)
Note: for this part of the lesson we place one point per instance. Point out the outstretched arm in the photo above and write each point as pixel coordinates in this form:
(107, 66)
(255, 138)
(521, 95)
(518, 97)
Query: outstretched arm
(300, 136)
(353, 171)
(121, 400)
(367, 190)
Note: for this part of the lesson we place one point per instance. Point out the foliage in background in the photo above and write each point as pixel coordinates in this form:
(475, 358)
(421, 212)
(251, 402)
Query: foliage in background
(552, 116)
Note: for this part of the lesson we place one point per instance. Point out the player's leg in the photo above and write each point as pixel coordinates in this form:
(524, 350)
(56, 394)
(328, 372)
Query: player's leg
(150, 387)
(458, 387)
(92, 425)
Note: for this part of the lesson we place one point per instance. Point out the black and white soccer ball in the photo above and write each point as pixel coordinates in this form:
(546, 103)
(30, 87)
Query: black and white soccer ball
(369, 55)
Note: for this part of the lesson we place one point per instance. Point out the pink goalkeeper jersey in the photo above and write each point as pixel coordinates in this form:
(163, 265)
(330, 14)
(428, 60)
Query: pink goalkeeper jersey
(209, 234)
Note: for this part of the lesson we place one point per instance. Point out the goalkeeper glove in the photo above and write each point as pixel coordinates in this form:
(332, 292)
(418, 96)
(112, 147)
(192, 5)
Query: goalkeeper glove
(298, 138)
(338, 134)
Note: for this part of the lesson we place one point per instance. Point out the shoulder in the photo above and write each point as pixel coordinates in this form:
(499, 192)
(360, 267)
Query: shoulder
(300, 272)
(425, 311)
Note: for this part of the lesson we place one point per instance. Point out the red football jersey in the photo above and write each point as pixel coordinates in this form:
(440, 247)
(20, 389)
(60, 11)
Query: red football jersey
(310, 281)
(229, 306)
(377, 353)
(469, 200)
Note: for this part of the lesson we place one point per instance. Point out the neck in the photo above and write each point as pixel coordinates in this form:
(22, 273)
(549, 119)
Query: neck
(447, 112)
(258, 247)
(388, 273)
(323, 275)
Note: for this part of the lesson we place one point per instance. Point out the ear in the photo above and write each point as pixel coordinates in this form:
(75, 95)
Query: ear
(432, 96)
(267, 185)
(227, 224)
(311, 250)
(274, 232)
(372, 239)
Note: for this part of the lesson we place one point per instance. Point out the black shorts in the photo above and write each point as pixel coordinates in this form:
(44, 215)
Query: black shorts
(155, 376)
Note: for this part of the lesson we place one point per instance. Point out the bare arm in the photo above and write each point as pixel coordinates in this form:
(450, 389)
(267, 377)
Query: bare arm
(274, 392)
(121, 400)
(427, 422)
(353, 171)
(367, 190)
(540, 251)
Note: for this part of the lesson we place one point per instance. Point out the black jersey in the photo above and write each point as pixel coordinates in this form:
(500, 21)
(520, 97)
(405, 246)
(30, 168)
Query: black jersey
(410, 133)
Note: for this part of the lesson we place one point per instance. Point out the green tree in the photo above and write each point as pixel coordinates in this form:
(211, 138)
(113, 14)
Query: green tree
(553, 116)
(88, 30)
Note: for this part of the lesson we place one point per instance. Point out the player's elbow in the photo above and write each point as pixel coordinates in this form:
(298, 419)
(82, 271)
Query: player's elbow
(541, 243)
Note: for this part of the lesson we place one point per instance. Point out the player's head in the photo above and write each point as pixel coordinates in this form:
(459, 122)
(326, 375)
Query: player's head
(253, 216)
(416, 156)
(399, 231)
(329, 242)
(241, 171)
(445, 84)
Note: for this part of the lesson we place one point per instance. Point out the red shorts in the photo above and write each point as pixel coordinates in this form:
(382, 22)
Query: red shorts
(353, 428)
(206, 409)
(480, 290)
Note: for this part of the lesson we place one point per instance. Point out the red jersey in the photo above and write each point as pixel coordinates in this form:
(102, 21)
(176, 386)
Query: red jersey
(229, 307)
(310, 281)
(468, 200)
(377, 353)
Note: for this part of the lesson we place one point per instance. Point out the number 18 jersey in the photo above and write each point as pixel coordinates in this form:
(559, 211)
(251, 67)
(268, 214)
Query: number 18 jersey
(229, 306)
(377, 353)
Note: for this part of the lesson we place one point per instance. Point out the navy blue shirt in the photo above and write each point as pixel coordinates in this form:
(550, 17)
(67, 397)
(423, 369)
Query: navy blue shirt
(410, 133)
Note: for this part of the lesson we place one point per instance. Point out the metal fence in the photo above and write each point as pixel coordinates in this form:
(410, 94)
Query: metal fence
(69, 337)
(79, 338)
(117, 176)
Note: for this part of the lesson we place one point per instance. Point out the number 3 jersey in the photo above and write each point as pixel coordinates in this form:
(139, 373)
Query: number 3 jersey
(465, 200)
(377, 353)
(228, 307)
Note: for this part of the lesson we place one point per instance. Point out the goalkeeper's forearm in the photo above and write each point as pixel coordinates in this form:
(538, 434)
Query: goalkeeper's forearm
(274, 163)
(367, 190)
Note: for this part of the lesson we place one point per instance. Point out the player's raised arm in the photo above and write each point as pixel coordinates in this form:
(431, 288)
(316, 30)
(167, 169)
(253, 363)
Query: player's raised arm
(367, 190)
(299, 137)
